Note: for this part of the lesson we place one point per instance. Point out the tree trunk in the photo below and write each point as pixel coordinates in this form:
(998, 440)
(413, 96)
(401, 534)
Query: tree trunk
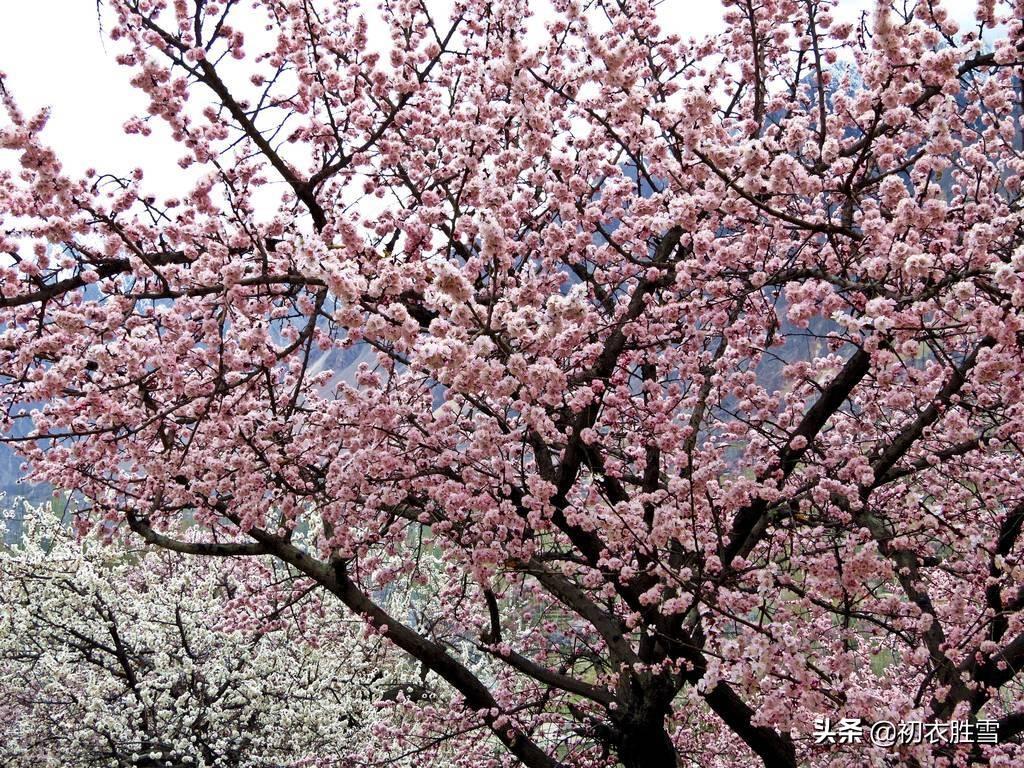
(647, 745)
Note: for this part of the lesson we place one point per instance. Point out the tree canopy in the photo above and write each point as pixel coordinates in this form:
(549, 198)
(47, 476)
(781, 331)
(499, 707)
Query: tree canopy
(696, 363)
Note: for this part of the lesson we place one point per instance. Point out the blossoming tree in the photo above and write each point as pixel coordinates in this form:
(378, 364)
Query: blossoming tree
(116, 657)
(698, 362)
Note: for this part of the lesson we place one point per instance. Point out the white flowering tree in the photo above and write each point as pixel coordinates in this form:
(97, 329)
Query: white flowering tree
(117, 657)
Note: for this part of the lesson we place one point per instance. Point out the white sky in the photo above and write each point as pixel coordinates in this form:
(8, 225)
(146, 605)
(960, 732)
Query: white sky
(54, 54)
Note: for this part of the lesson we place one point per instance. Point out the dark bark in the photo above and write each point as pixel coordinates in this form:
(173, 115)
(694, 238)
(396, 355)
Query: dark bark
(647, 745)
(774, 749)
